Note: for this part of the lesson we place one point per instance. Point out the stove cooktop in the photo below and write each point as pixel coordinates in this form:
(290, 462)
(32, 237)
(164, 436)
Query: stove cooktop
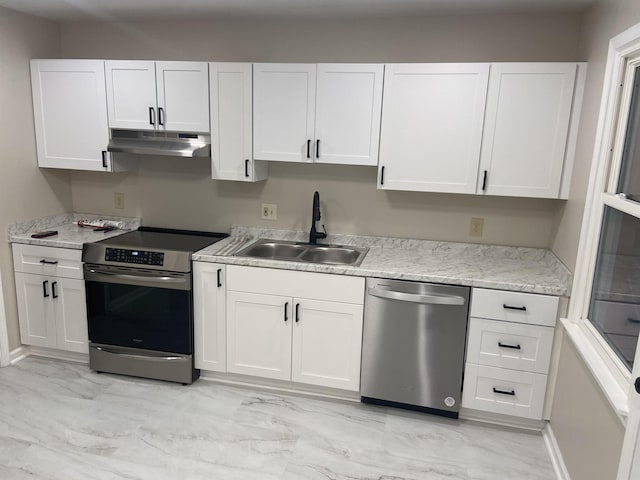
(150, 248)
(164, 239)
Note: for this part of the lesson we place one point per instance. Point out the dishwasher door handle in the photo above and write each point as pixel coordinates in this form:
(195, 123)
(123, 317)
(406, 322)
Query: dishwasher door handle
(416, 298)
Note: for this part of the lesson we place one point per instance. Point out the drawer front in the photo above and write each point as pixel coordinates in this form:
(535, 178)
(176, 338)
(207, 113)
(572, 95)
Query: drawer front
(59, 262)
(514, 306)
(315, 286)
(617, 318)
(503, 391)
(509, 345)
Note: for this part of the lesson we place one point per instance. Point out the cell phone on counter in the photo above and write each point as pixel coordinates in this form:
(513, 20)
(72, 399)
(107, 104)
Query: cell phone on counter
(45, 234)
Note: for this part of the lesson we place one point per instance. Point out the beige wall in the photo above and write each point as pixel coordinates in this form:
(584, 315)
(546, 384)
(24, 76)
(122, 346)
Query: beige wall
(588, 431)
(26, 192)
(179, 193)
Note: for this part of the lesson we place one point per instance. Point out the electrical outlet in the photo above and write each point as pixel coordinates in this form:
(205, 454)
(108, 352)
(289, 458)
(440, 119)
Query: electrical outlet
(476, 226)
(118, 200)
(269, 211)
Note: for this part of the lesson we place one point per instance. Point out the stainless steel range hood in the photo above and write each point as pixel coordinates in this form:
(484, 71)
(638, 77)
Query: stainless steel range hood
(160, 143)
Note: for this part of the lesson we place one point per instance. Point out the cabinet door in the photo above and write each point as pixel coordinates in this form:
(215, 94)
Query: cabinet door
(69, 303)
(283, 111)
(348, 108)
(432, 126)
(183, 96)
(327, 339)
(259, 335)
(131, 94)
(526, 128)
(35, 312)
(70, 114)
(209, 316)
(232, 123)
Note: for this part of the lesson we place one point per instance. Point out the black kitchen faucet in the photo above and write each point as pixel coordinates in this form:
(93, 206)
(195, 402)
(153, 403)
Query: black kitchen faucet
(314, 235)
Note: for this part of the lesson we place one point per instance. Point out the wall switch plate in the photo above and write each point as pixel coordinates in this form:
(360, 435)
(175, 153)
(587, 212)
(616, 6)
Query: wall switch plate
(476, 226)
(269, 211)
(118, 200)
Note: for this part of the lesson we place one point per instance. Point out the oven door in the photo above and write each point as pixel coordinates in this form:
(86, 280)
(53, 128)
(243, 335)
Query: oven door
(139, 308)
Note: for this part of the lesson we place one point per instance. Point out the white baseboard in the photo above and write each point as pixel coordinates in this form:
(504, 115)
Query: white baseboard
(554, 452)
(59, 354)
(503, 420)
(18, 354)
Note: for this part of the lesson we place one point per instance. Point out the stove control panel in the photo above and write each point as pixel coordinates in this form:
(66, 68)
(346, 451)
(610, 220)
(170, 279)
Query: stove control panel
(139, 257)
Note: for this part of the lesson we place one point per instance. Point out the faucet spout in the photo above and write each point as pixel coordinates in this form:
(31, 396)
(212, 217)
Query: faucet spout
(314, 234)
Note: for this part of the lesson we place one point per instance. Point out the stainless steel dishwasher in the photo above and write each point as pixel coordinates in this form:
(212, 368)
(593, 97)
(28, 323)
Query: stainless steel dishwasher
(414, 345)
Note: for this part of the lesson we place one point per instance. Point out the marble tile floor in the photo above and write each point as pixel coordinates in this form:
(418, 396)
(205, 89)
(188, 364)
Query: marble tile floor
(59, 420)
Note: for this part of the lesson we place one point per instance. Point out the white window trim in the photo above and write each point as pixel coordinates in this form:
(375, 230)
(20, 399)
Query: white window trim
(609, 372)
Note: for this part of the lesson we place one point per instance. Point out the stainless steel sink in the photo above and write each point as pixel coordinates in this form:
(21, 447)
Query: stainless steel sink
(303, 252)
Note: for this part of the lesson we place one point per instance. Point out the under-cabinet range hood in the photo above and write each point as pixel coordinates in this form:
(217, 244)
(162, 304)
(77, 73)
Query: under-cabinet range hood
(160, 143)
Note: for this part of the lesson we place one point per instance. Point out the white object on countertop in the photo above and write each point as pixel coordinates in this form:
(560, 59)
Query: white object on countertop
(100, 223)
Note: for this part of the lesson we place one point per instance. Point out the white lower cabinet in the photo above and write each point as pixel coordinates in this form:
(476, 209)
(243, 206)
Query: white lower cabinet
(52, 312)
(209, 316)
(504, 391)
(52, 309)
(509, 352)
(287, 325)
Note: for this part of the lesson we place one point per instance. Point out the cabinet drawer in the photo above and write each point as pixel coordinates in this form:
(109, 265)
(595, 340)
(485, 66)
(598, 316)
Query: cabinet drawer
(514, 306)
(503, 391)
(59, 262)
(510, 345)
(315, 286)
(617, 318)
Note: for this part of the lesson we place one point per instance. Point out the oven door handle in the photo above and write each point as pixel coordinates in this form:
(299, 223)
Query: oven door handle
(153, 358)
(181, 282)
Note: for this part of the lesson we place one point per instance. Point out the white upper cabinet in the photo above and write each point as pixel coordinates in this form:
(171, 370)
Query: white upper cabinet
(70, 114)
(348, 108)
(325, 113)
(432, 126)
(529, 108)
(163, 96)
(231, 93)
(131, 94)
(283, 107)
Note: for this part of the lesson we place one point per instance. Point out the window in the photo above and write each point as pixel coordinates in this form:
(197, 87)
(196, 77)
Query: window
(614, 306)
(606, 295)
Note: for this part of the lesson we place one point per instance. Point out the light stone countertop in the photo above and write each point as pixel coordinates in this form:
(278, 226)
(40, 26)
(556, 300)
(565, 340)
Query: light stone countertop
(530, 270)
(70, 235)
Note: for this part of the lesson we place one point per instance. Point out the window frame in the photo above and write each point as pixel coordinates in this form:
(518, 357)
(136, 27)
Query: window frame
(609, 371)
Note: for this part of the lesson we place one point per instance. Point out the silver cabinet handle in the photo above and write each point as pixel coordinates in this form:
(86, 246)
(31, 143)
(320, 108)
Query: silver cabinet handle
(416, 298)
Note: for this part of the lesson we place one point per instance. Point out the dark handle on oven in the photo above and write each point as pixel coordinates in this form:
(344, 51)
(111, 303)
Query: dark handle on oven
(54, 293)
(45, 293)
(308, 148)
(633, 320)
(382, 176)
(297, 312)
(246, 168)
(49, 262)
(219, 278)
(152, 114)
(511, 307)
(104, 159)
(505, 345)
(484, 180)
(160, 116)
(504, 392)
(286, 313)
(317, 148)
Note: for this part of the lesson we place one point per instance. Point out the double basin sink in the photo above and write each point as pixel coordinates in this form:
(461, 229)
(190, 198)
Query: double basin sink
(304, 252)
